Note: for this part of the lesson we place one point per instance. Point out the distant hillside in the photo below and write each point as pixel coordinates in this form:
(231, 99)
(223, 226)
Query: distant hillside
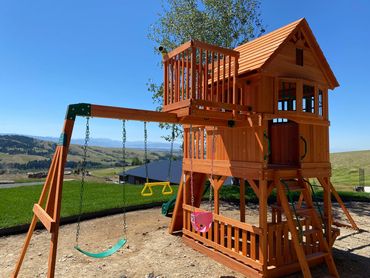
(25, 153)
(109, 143)
(346, 168)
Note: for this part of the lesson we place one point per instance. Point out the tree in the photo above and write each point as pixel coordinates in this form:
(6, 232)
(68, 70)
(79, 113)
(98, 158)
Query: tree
(226, 23)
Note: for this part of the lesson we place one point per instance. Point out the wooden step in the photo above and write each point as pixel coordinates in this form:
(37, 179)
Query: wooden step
(310, 231)
(293, 185)
(316, 256)
(300, 211)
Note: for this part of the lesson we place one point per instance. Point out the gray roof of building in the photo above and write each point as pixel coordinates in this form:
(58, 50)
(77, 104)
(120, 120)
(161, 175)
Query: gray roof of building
(158, 170)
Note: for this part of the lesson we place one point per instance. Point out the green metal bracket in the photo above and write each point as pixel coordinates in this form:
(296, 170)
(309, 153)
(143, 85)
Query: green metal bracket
(62, 140)
(79, 109)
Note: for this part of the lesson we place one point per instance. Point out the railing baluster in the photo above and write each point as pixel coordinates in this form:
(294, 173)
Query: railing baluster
(178, 78)
(222, 234)
(212, 73)
(182, 75)
(229, 236)
(206, 77)
(216, 232)
(253, 246)
(218, 77)
(165, 87)
(244, 243)
(187, 74)
(193, 72)
(223, 79)
(236, 239)
(172, 82)
(200, 89)
(228, 82)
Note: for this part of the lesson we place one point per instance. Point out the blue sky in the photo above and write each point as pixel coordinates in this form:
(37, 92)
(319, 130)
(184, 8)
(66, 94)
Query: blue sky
(53, 53)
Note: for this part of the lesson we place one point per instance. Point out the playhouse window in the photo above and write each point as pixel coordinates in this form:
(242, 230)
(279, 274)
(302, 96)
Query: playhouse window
(299, 56)
(287, 96)
(320, 102)
(308, 101)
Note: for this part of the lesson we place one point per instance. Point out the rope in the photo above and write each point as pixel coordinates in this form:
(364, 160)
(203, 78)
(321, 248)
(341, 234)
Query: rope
(83, 175)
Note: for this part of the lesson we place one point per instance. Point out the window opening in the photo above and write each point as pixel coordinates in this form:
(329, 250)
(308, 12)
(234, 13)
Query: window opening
(299, 56)
(308, 101)
(320, 103)
(287, 96)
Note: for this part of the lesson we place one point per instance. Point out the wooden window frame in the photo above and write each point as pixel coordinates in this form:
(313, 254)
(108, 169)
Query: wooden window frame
(299, 96)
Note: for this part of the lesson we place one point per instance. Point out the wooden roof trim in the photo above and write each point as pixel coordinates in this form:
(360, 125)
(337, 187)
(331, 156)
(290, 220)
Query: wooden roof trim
(319, 55)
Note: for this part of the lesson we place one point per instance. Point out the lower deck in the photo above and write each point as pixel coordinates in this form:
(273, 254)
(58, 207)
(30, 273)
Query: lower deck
(238, 245)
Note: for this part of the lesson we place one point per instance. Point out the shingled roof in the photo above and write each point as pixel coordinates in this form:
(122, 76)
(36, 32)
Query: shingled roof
(256, 54)
(158, 171)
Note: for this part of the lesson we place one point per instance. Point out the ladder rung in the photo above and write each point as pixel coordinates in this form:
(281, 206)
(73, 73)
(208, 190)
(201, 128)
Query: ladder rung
(315, 256)
(300, 211)
(295, 187)
(310, 231)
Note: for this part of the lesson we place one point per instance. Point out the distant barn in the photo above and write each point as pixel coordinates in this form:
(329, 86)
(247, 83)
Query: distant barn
(157, 171)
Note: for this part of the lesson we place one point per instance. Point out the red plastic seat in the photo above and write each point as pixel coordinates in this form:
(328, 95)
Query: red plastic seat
(201, 221)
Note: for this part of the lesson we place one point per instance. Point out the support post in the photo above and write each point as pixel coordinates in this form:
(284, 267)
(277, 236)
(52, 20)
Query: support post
(327, 210)
(263, 224)
(242, 200)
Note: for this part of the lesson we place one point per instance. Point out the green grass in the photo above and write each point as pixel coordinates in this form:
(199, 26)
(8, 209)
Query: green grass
(16, 203)
(231, 194)
(106, 172)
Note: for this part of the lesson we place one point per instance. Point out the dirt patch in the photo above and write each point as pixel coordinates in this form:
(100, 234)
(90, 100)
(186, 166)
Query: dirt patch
(152, 252)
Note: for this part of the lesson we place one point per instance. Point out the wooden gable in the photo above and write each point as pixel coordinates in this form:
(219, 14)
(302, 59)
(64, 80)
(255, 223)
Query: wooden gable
(275, 54)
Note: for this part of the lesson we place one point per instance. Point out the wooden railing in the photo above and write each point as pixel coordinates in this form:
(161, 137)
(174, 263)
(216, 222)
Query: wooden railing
(195, 146)
(230, 237)
(201, 74)
(280, 246)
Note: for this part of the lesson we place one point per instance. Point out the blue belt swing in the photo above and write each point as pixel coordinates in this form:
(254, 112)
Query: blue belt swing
(121, 242)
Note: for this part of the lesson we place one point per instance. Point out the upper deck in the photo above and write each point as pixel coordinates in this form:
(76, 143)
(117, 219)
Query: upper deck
(200, 80)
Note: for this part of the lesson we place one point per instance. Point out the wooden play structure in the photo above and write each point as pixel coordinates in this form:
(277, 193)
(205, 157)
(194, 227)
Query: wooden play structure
(258, 113)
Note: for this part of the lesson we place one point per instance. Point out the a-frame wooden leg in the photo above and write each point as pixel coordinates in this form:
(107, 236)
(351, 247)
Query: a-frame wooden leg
(45, 190)
(340, 202)
(52, 190)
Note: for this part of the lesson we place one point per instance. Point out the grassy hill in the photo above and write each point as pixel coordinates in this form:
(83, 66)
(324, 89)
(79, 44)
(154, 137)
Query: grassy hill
(346, 168)
(25, 153)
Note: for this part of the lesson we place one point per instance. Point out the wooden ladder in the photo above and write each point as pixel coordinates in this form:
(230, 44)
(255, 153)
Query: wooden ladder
(308, 211)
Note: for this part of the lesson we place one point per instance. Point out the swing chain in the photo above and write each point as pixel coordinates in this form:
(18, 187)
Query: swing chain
(191, 164)
(83, 175)
(123, 175)
(212, 161)
(146, 152)
(171, 153)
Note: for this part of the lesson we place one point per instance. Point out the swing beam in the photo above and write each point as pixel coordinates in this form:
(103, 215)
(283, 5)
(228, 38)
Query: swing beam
(48, 207)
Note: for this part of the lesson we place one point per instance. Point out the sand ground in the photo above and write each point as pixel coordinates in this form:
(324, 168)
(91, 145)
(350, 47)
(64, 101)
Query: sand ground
(152, 252)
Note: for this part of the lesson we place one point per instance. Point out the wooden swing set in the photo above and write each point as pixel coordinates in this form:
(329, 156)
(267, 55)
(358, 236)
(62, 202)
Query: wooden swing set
(258, 113)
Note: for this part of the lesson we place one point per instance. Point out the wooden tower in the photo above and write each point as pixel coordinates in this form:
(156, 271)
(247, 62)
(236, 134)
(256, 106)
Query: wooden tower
(273, 91)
